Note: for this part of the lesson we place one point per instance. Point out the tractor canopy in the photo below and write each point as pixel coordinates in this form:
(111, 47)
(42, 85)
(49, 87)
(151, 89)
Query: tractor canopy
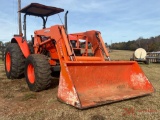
(40, 10)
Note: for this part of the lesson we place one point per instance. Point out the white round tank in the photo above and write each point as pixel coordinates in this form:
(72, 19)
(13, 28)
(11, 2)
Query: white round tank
(140, 53)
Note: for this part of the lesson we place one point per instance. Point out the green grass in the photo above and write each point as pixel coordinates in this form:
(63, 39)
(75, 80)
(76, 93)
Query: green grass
(28, 96)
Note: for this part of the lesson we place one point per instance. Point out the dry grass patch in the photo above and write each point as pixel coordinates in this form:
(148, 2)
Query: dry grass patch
(8, 95)
(121, 55)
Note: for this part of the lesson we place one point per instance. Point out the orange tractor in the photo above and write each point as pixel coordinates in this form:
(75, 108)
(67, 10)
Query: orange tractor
(87, 75)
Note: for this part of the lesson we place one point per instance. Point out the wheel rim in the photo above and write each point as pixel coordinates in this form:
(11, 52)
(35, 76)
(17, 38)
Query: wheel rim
(30, 73)
(8, 61)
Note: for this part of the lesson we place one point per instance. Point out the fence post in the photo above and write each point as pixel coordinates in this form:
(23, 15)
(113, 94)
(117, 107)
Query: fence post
(3, 51)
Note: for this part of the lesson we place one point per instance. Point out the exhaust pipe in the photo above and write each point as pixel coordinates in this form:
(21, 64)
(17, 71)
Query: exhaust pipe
(66, 22)
(24, 27)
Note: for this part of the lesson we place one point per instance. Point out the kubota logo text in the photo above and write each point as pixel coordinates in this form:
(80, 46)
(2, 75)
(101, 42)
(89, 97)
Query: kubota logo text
(47, 30)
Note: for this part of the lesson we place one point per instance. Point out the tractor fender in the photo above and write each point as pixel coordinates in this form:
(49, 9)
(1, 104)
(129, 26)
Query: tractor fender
(22, 44)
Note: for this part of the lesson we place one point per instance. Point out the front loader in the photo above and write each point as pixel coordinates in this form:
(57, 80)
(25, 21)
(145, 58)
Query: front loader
(87, 75)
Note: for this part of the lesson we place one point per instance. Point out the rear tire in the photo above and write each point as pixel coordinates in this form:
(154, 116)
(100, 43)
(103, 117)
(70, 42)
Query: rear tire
(14, 61)
(37, 72)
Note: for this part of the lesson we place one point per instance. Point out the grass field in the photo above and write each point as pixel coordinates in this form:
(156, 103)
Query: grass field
(17, 102)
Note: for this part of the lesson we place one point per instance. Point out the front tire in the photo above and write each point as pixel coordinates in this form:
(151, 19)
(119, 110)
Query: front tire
(14, 61)
(37, 72)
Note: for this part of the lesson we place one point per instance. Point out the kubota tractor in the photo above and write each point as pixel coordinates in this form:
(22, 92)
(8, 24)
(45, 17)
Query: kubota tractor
(87, 75)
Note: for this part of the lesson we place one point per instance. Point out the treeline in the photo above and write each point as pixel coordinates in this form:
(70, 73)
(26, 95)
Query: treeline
(151, 44)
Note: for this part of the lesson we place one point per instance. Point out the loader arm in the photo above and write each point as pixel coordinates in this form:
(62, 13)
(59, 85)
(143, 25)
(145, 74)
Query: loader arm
(64, 47)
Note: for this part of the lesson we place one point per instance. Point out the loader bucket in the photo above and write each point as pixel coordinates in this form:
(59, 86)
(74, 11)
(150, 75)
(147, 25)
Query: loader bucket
(88, 84)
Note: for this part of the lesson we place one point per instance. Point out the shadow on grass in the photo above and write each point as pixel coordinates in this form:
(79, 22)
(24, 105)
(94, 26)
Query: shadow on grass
(55, 79)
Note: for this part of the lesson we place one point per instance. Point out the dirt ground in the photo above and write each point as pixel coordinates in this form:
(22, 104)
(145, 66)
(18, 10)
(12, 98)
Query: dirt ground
(17, 102)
